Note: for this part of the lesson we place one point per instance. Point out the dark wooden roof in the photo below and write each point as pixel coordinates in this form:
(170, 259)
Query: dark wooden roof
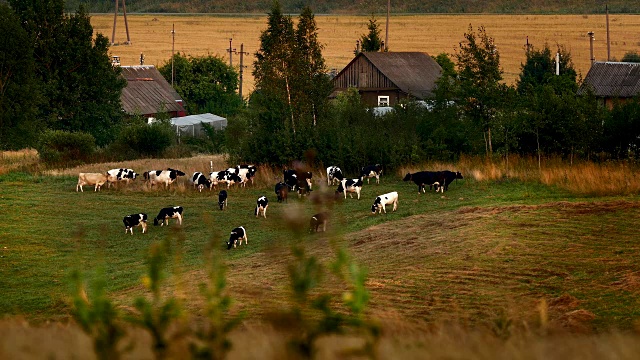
(613, 79)
(147, 92)
(414, 73)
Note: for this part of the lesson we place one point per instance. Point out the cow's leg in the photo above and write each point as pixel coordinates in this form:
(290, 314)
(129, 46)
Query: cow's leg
(378, 179)
(264, 211)
(144, 227)
(384, 208)
(324, 226)
(395, 205)
(179, 219)
(245, 239)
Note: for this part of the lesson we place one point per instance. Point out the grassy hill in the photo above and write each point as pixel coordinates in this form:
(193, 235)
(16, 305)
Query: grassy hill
(367, 7)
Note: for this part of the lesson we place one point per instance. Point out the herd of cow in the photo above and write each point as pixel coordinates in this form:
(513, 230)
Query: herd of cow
(293, 180)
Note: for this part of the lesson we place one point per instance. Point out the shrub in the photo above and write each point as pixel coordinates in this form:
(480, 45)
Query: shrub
(63, 147)
(146, 140)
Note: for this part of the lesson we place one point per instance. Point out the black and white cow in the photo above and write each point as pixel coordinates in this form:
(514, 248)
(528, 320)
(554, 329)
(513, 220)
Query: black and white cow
(282, 192)
(213, 176)
(222, 199)
(423, 178)
(291, 179)
(130, 221)
(446, 177)
(294, 178)
(246, 172)
(166, 177)
(167, 213)
(382, 201)
(237, 235)
(334, 173)
(317, 221)
(261, 206)
(372, 171)
(117, 175)
(230, 178)
(350, 186)
(200, 181)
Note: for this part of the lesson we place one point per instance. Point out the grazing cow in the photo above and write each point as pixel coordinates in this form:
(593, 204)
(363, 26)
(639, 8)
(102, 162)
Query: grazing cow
(222, 199)
(230, 178)
(350, 186)
(117, 175)
(334, 173)
(199, 181)
(282, 191)
(167, 213)
(382, 201)
(261, 206)
(422, 178)
(293, 178)
(131, 221)
(372, 171)
(96, 179)
(237, 234)
(166, 177)
(445, 178)
(213, 176)
(318, 220)
(246, 173)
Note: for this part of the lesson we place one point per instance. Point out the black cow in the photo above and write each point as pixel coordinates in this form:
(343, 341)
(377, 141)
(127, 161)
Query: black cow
(446, 177)
(222, 199)
(282, 191)
(130, 221)
(422, 178)
(200, 181)
(261, 206)
(237, 234)
(167, 213)
(372, 171)
(318, 220)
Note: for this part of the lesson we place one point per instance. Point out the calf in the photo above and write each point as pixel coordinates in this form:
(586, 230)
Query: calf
(222, 199)
(96, 179)
(282, 191)
(199, 181)
(318, 220)
(166, 177)
(167, 213)
(117, 175)
(261, 206)
(334, 173)
(237, 234)
(130, 221)
(382, 201)
(350, 186)
(422, 178)
(372, 171)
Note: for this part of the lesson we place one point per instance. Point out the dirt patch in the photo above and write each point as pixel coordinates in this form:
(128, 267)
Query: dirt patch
(629, 281)
(574, 207)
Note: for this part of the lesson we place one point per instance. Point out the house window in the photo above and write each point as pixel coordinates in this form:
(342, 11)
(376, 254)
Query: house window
(383, 101)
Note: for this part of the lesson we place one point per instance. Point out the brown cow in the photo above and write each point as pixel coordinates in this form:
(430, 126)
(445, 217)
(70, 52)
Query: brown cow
(96, 179)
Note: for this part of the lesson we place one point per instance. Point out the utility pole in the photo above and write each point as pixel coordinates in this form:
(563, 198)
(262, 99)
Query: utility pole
(608, 40)
(528, 46)
(591, 38)
(386, 36)
(231, 50)
(173, 43)
(126, 23)
(242, 53)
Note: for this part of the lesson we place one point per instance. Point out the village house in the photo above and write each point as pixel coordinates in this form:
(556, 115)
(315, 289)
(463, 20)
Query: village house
(612, 82)
(148, 93)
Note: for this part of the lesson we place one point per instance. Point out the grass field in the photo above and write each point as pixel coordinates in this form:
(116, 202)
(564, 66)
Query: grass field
(434, 34)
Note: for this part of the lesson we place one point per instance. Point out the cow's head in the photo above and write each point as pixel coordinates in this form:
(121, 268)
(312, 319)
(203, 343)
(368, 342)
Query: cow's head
(407, 177)
(156, 222)
(376, 205)
(231, 243)
(459, 175)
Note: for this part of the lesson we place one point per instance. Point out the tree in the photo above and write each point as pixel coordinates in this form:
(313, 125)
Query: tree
(19, 91)
(206, 83)
(80, 86)
(479, 76)
(540, 69)
(371, 42)
(631, 56)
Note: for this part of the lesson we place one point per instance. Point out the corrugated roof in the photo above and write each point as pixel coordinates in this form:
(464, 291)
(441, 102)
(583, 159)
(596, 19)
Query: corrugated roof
(413, 72)
(613, 79)
(147, 92)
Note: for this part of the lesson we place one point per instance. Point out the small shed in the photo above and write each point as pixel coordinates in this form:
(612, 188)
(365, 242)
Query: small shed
(386, 78)
(148, 93)
(612, 81)
(192, 125)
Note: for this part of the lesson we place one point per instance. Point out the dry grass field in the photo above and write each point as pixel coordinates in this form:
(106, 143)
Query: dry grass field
(434, 34)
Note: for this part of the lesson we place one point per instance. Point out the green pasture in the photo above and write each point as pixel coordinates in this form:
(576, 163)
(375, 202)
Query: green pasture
(495, 241)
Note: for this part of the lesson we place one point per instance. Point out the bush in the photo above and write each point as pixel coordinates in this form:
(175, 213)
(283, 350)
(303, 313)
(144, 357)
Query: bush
(61, 147)
(146, 140)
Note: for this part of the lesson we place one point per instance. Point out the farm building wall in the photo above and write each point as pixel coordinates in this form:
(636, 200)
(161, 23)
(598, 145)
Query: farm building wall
(362, 75)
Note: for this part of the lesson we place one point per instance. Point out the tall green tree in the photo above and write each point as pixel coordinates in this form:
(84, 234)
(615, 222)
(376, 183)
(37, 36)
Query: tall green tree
(19, 91)
(206, 83)
(479, 76)
(371, 41)
(540, 69)
(81, 87)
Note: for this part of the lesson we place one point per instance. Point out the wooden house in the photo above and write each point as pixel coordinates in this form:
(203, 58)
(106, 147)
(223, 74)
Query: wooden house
(612, 82)
(386, 78)
(148, 93)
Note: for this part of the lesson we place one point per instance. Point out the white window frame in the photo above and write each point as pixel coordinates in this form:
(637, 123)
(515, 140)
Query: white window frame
(383, 100)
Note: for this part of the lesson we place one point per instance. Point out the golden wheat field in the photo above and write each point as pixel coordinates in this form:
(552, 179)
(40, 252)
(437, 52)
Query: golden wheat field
(434, 34)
